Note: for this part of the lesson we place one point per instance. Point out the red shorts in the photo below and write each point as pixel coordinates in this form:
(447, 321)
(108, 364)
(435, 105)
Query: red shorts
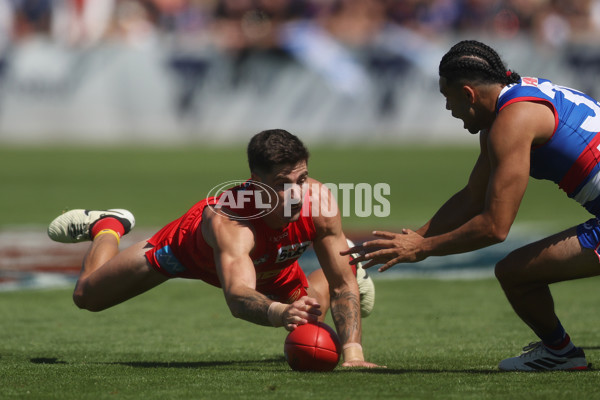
(287, 287)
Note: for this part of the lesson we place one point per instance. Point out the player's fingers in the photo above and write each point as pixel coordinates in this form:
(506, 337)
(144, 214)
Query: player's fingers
(378, 254)
(356, 260)
(384, 256)
(311, 318)
(384, 268)
(362, 364)
(352, 250)
(388, 265)
(310, 307)
(313, 312)
(377, 244)
(300, 318)
(310, 301)
(384, 234)
(370, 264)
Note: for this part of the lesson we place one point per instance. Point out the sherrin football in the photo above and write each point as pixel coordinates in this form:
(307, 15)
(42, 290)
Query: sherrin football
(312, 347)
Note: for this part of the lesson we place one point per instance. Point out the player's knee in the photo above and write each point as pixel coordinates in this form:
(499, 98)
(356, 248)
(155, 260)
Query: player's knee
(507, 271)
(79, 299)
(502, 270)
(83, 301)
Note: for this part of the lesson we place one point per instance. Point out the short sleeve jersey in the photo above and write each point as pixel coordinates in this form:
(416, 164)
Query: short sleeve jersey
(571, 157)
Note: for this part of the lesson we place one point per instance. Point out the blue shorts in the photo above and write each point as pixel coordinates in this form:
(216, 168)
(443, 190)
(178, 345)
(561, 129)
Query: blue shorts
(588, 234)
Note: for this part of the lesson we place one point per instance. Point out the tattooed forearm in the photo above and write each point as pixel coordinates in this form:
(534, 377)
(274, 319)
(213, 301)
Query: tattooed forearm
(251, 307)
(345, 310)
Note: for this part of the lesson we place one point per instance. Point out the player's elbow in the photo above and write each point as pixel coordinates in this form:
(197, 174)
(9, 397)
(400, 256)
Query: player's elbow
(236, 311)
(235, 307)
(499, 233)
(495, 231)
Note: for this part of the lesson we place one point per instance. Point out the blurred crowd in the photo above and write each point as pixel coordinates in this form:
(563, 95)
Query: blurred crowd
(309, 59)
(233, 25)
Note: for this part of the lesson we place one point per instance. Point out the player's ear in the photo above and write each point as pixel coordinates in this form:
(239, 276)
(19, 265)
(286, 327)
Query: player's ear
(469, 93)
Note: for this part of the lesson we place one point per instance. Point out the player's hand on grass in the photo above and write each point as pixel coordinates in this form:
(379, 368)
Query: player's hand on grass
(301, 312)
(391, 249)
(361, 364)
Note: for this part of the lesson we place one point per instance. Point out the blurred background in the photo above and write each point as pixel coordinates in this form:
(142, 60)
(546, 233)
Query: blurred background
(183, 84)
(215, 71)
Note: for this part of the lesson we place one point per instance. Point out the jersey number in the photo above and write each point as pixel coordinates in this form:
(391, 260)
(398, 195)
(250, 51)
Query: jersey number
(592, 122)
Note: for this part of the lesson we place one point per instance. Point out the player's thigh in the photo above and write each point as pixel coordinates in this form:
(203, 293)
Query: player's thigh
(556, 258)
(129, 269)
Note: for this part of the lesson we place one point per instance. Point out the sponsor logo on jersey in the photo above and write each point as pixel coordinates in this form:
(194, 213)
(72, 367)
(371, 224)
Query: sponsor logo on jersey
(527, 81)
(278, 237)
(297, 294)
(167, 261)
(267, 274)
(261, 260)
(292, 251)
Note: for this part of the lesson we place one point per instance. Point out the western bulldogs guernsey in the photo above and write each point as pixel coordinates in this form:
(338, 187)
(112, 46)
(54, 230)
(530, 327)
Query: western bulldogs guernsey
(181, 251)
(571, 158)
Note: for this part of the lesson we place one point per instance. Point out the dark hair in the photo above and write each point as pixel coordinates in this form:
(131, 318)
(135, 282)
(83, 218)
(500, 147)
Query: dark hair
(273, 147)
(474, 61)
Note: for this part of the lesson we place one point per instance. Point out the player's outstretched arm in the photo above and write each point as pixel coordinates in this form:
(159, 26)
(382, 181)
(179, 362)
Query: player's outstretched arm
(407, 246)
(343, 288)
(502, 170)
(232, 241)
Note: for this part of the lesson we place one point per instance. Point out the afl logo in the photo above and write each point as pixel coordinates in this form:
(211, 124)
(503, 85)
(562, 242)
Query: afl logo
(235, 196)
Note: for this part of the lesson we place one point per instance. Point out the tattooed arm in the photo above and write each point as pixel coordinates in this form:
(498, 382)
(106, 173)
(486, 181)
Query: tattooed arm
(232, 241)
(343, 289)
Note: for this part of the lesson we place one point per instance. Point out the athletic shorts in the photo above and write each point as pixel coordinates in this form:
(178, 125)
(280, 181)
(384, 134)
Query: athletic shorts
(292, 289)
(588, 234)
(286, 288)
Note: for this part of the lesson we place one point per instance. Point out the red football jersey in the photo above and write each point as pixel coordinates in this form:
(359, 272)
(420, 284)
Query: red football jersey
(181, 251)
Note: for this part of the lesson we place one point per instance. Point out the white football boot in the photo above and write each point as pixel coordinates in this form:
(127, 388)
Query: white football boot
(75, 225)
(536, 357)
(366, 287)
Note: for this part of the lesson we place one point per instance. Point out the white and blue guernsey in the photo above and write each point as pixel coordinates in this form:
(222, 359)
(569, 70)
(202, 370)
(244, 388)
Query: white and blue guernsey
(571, 158)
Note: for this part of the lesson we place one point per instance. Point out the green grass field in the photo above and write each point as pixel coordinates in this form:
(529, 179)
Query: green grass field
(159, 184)
(439, 339)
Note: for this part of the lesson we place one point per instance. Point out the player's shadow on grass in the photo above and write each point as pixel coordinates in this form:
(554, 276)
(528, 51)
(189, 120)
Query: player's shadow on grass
(590, 347)
(194, 364)
(46, 360)
(278, 360)
(401, 371)
(168, 364)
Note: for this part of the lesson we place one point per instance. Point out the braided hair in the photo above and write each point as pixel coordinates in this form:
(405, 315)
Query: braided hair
(476, 62)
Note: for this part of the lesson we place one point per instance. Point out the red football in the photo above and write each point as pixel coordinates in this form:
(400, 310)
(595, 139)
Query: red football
(312, 347)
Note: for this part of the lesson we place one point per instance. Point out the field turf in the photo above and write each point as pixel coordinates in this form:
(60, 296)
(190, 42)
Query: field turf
(159, 184)
(439, 339)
